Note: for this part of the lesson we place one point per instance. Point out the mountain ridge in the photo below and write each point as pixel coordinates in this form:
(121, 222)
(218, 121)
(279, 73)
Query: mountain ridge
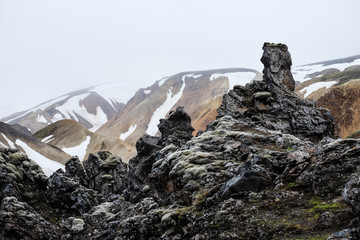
(266, 168)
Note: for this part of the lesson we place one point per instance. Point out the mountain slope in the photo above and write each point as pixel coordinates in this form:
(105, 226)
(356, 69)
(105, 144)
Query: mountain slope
(334, 86)
(200, 92)
(84, 106)
(266, 168)
(75, 139)
(315, 79)
(48, 157)
(344, 103)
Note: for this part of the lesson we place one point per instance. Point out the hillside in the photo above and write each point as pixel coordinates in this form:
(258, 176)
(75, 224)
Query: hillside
(314, 80)
(199, 92)
(48, 157)
(267, 168)
(75, 139)
(344, 103)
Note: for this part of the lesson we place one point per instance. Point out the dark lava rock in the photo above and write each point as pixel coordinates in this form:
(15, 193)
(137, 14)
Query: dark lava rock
(277, 65)
(67, 194)
(351, 194)
(176, 128)
(75, 170)
(20, 177)
(269, 104)
(266, 168)
(106, 173)
(19, 221)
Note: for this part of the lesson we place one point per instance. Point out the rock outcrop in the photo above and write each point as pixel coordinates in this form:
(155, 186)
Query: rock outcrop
(266, 168)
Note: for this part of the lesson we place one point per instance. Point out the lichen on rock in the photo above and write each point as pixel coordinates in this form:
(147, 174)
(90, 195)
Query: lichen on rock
(267, 168)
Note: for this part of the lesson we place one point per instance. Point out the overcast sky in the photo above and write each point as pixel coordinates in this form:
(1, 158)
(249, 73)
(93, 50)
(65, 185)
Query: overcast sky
(49, 48)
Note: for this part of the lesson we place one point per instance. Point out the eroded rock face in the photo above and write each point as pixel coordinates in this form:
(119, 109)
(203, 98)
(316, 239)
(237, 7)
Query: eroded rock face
(15, 170)
(19, 221)
(176, 129)
(266, 168)
(277, 63)
(268, 103)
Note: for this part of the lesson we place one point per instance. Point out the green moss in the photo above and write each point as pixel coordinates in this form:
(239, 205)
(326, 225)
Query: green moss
(289, 148)
(319, 206)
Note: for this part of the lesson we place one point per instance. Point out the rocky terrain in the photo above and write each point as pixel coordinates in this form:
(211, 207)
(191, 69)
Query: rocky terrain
(120, 112)
(268, 167)
(49, 157)
(199, 92)
(334, 85)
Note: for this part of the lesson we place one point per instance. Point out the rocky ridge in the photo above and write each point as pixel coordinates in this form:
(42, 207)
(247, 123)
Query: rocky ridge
(266, 168)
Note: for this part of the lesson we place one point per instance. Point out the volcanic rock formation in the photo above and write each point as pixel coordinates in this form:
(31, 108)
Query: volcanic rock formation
(266, 168)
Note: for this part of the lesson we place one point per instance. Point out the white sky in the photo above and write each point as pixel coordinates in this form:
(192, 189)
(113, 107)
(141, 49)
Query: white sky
(49, 48)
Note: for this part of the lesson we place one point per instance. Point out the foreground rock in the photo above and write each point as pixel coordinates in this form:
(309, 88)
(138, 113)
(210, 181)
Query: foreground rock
(266, 168)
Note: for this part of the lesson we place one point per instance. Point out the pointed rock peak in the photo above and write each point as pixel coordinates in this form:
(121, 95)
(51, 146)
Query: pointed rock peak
(277, 63)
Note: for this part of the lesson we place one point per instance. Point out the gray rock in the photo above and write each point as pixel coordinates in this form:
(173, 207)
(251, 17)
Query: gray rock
(68, 195)
(277, 63)
(19, 221)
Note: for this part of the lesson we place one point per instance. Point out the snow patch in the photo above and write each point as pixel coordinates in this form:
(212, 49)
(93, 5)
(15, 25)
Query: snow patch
(9, 142)
(73, 108)
(316, 86)
(235, 78)
(162, 81)
(123, 136)
(3, 145)
(147, 91)
(47, 139)
(79, 150)
(57, 117)
(48, 166)
(41, 118)
(301, 73)
(41, 107)
(100, 119)
(197, 76)
(161, 111)
(187, 75)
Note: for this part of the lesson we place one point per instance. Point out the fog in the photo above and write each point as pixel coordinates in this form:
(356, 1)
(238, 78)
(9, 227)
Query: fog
(49, 48)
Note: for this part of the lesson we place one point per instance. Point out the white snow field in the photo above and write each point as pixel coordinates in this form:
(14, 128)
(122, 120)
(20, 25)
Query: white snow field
(301, 73)
(48, 166)
(161, 111)
(41, 107)
(79, 150)
(41, 118)
(316, 86)
(73, 108)
(47, 139)
(162, 81)
(124, 135)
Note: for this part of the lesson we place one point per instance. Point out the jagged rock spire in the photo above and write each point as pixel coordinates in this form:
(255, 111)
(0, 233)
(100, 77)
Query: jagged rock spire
(277, 63)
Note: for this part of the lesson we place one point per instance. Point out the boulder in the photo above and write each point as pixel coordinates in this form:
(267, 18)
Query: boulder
(20, 221)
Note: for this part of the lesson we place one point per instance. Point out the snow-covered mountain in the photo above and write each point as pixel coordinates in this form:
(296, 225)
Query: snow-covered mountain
(199, 92)
(334, 85)
(91, 107)
(74, 139)
(48, 157)
(314, 79)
